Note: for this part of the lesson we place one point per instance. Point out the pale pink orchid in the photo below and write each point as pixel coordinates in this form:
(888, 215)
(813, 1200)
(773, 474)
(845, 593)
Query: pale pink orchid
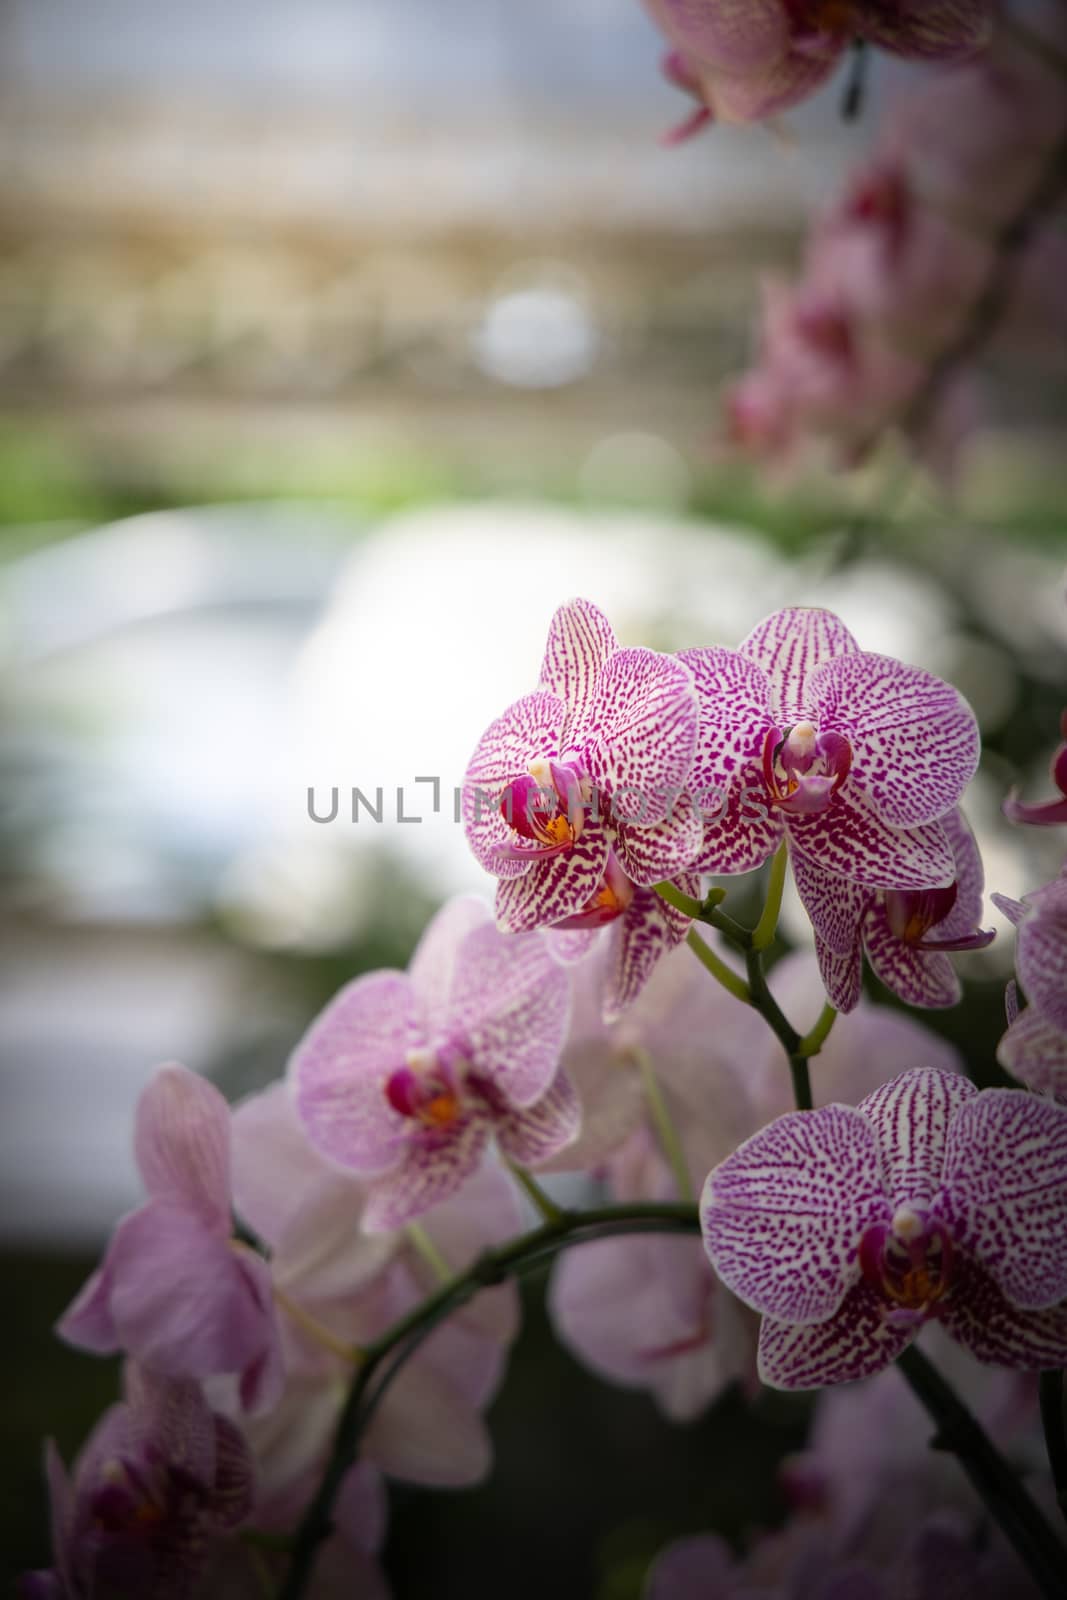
(405, 1078)
(578, 790)
(340, 1287)
(907, 934)
(852, 757)
(174, 1291)
(746, 60)
(159, 1482)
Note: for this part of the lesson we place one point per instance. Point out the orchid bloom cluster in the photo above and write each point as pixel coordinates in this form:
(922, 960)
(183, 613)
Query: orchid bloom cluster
(285, 1244)
(907, 274)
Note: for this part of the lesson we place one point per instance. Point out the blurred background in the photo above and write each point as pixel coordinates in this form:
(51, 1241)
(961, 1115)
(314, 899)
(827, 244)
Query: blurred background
(339, 342)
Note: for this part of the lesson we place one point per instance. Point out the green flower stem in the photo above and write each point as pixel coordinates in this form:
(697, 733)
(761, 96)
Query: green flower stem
(816, 1037)
(663, 1122)
(681, 902)
(767, 926)
(543, 1204)
(425, 1247)
(723, 974)
(1001, 1491)
(399, 1341)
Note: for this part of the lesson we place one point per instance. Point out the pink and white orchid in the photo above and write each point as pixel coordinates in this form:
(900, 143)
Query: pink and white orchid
(578, 791)
(848, 1228)
(405, 1077)
(852, 757)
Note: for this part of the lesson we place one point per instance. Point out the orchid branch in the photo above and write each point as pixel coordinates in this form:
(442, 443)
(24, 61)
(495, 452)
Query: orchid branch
(400, 1341)
(998, 1486)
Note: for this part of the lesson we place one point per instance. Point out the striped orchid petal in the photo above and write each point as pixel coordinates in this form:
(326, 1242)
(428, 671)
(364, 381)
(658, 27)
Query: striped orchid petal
(789, 647)
(914, 739)
(784, 1215)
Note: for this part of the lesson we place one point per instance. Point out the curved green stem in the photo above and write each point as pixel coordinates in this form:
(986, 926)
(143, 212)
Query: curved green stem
(680, 901)
(543, 1204)
(817, 1036)
(767, 926)
(1002, 1492)
(663, 1122)
(493, 1267)
(730, 980)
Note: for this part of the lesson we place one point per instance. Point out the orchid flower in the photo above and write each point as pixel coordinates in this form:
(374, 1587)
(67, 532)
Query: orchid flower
(174, 1290)
(848, 1228)
(576, 793)
(405, 1077)
(1034, 1048)
(852, 757)
(160, 1479)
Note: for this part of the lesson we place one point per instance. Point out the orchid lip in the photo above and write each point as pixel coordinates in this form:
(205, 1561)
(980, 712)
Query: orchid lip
(803, 769)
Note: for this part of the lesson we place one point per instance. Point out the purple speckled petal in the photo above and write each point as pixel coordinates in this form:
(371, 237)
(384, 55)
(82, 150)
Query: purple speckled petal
(510, 1001)
(1014, 910)
(911, 1116)
(834, 904)
(528, 731)
(339, 1069)
(783, 1216)
(580, 640)
(646, 721)
(731, 35)
(432, 968)
(555, 888)
(233, 1488)
(649, 855)
(919, 977)
(743, 835)
(1004, 1194)
(1035, 1052)
(172, 1415)
(855, 1342)
(735, 713)
(648, 929)
(538, 1132)
(995, 1331)
(929, 30)
(790, 646)
(850, 839)
(432, 1168)
(966, 913)
(1041, 952)
(182, 1144)
(914, 739)
(842, 975)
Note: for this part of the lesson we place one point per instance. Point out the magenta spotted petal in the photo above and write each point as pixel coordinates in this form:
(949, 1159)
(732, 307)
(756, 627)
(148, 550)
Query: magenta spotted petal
(554, 888)
(643, 732)
(1041, 951)
(1004, 1193)
(534, 1134)
(911, 1116)
(849, 838)
(914, 739)
(529, 731)
(1035, 1052)
(994, 1330)
(649, 930)
(789, 647)
(784, 1215)
(428, 1173)
(835, 905)
(855, 1342)
(580, 642)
